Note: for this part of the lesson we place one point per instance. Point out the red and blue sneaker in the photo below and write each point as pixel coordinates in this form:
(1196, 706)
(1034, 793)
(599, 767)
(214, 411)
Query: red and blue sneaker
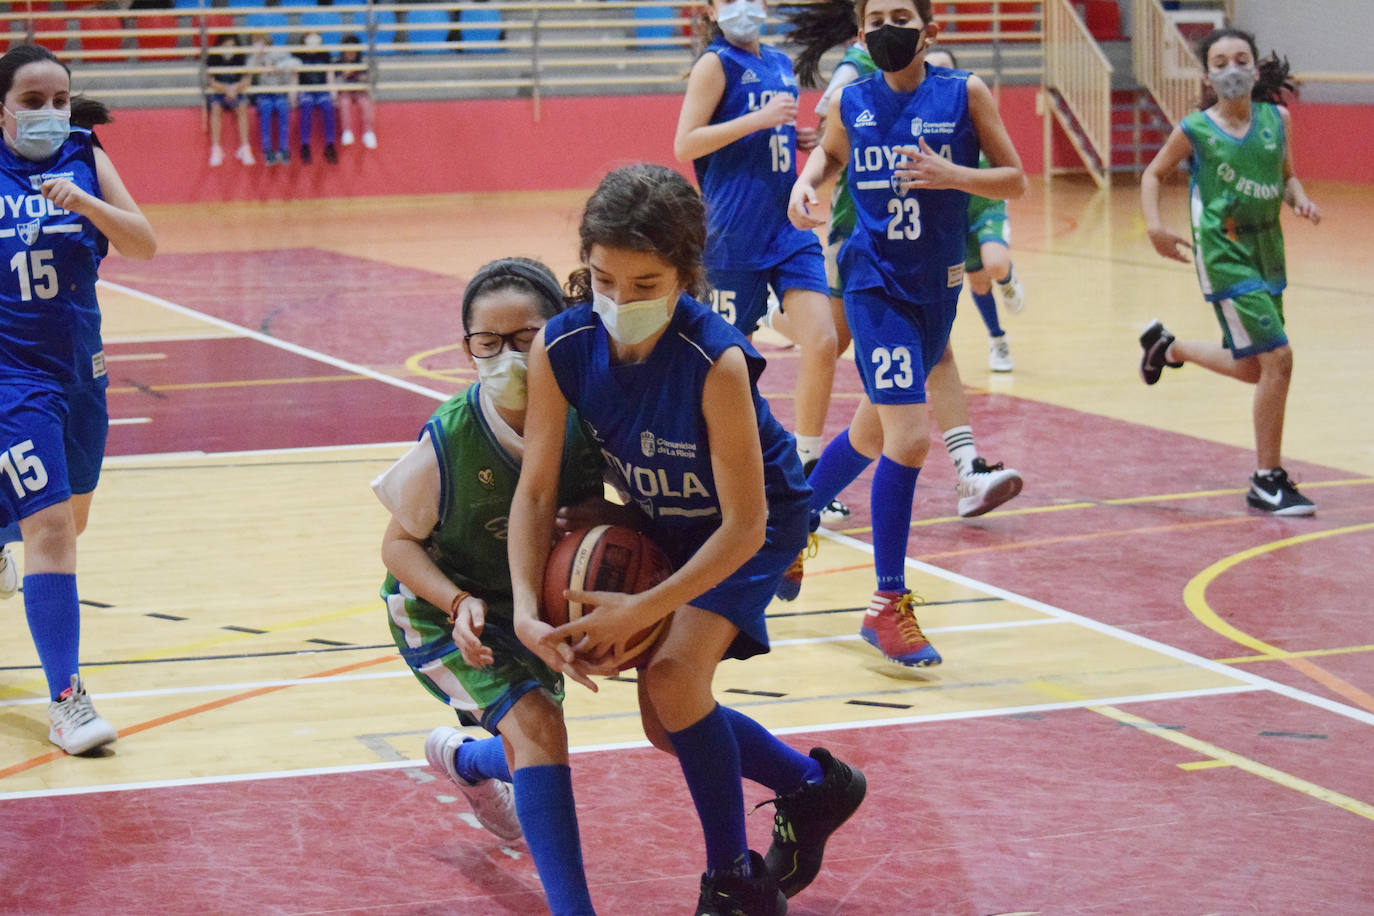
(890, 626)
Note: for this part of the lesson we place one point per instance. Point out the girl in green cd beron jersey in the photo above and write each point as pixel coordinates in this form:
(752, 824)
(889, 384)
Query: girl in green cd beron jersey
(1241, 162)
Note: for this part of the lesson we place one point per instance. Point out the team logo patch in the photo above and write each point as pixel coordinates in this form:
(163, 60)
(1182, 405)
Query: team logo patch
(646, 443)
(487, 478)
(749, 77)
(98, 364)
(916, 126)
(28, 232)
(865, 119)
(955, 275)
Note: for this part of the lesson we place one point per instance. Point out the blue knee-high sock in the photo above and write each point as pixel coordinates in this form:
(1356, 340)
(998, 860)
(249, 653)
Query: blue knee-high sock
(544, 804)
(710, 763)
(838, 467)
(766, 760)
(484, 758)
(55, 622)
(894, 487)
(987, 307)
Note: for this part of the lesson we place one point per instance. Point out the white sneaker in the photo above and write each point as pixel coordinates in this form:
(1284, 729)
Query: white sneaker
(492, 801)
(216, 156)
(985, 487)
(835, 513)
(76, 726)
(999, 354)
(346, 139)
(245, 155)
(1013, 295)
(9, 573)
(370, 140)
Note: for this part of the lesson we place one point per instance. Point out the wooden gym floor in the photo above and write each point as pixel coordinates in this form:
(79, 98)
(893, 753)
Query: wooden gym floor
(1152, 700)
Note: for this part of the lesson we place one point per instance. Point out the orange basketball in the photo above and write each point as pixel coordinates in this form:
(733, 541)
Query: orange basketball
(606, 558)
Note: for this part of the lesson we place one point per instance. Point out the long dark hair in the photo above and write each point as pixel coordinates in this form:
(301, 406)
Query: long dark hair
(1273, 82)
(645, 207)
(818, 27)
(85, 112)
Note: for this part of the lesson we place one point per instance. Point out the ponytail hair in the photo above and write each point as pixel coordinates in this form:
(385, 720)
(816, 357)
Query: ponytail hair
(1273, 81)
(815, 29)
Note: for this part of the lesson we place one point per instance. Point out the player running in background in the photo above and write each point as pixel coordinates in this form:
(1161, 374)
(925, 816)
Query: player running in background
(668, 389)
(910, 138)
(448, 592)
(65, 205)
(981, 487)
(738, 128)
(1241, 162)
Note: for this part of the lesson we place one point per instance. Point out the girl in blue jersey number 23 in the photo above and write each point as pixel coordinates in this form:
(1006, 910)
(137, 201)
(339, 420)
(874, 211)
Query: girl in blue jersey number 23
(64, 204)
(910, 138)
(668, 391)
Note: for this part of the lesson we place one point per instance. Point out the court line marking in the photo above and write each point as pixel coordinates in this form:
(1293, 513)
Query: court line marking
(1195, 598)
(274, 341)
(956, 715)
(1292, 693)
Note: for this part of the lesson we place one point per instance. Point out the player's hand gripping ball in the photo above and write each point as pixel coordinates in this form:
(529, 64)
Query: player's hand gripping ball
(606, 558)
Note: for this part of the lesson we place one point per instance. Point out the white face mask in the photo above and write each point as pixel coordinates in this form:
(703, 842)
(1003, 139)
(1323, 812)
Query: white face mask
(503, 378)
(633, 322)
(39, 132)
(740, 22)
(1234, 82)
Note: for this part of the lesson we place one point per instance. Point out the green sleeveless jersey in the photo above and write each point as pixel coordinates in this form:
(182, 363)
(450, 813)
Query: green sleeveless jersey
(841, 206)
(1237, 192)
(477, 483)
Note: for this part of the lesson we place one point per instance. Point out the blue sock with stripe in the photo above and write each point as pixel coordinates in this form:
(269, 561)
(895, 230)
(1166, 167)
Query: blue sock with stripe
(55, 622)
(838, 467)
(766, 760)
(482, 758)
(987, 307)
(544, 804)
(894, 487)
(710, 761)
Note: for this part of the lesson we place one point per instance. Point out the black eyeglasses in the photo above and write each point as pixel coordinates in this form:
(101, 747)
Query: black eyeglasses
(486, 344)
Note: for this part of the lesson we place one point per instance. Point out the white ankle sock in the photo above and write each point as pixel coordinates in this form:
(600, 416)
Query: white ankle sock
(962, 451)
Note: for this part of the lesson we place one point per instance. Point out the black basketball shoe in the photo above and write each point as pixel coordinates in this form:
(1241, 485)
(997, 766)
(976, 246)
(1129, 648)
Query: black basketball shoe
(730, 895)
(1155, 343)
(1275, 494)
(804, 819)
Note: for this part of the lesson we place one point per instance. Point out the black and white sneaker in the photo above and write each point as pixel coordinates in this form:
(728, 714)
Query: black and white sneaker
(1275, 494)
(835, 513)
(985, 487)
(1155, 343)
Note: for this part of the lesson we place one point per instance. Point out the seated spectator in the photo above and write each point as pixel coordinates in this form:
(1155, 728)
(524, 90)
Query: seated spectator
(317, 91)
(275, 73)
(353, 72)
(227, 91)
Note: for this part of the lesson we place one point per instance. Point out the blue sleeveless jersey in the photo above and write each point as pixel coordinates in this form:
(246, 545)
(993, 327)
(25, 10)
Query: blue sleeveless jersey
(746, 184)
(647, 419)
(910, 244)
(49, 318)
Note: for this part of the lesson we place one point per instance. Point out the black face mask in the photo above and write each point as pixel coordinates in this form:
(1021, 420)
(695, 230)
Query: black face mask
(892, 47)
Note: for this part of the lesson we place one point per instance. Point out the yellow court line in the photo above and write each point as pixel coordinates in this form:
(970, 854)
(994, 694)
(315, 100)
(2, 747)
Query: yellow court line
(1204, 765)
(414, 364)
(1305, 653)
(1195, 598)
(1229, 758)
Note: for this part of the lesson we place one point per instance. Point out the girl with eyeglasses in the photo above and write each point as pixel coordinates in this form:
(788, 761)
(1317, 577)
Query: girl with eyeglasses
(448, 591)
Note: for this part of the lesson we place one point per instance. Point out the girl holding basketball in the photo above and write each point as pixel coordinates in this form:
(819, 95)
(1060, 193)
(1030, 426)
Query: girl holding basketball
(448, 594)
(668, 390)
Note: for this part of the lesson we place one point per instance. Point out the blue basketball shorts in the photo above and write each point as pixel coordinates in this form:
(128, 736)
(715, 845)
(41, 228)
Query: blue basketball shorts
(741, 296)
(52, 443)
(896, 343)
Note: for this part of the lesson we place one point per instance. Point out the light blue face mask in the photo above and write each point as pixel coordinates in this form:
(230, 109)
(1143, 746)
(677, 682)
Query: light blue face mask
(740, 22)
(39, 132)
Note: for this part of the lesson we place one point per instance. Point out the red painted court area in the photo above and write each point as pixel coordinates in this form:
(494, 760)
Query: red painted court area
(1255, 799)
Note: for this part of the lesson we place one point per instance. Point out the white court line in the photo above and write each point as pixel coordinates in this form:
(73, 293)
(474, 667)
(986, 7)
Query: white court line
(275, 342)
(629, 745)
(196, 455)
(225, 334)
(960, 628)
(129, 421)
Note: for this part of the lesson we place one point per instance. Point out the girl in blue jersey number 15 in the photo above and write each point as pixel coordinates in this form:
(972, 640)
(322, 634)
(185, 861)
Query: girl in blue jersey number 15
(908, 138)
(1241, 160)
(64, 203)
(737, 126)
(668, 391)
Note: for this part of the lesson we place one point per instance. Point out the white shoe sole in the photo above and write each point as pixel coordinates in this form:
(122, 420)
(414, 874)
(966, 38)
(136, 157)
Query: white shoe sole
(1003, 485)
